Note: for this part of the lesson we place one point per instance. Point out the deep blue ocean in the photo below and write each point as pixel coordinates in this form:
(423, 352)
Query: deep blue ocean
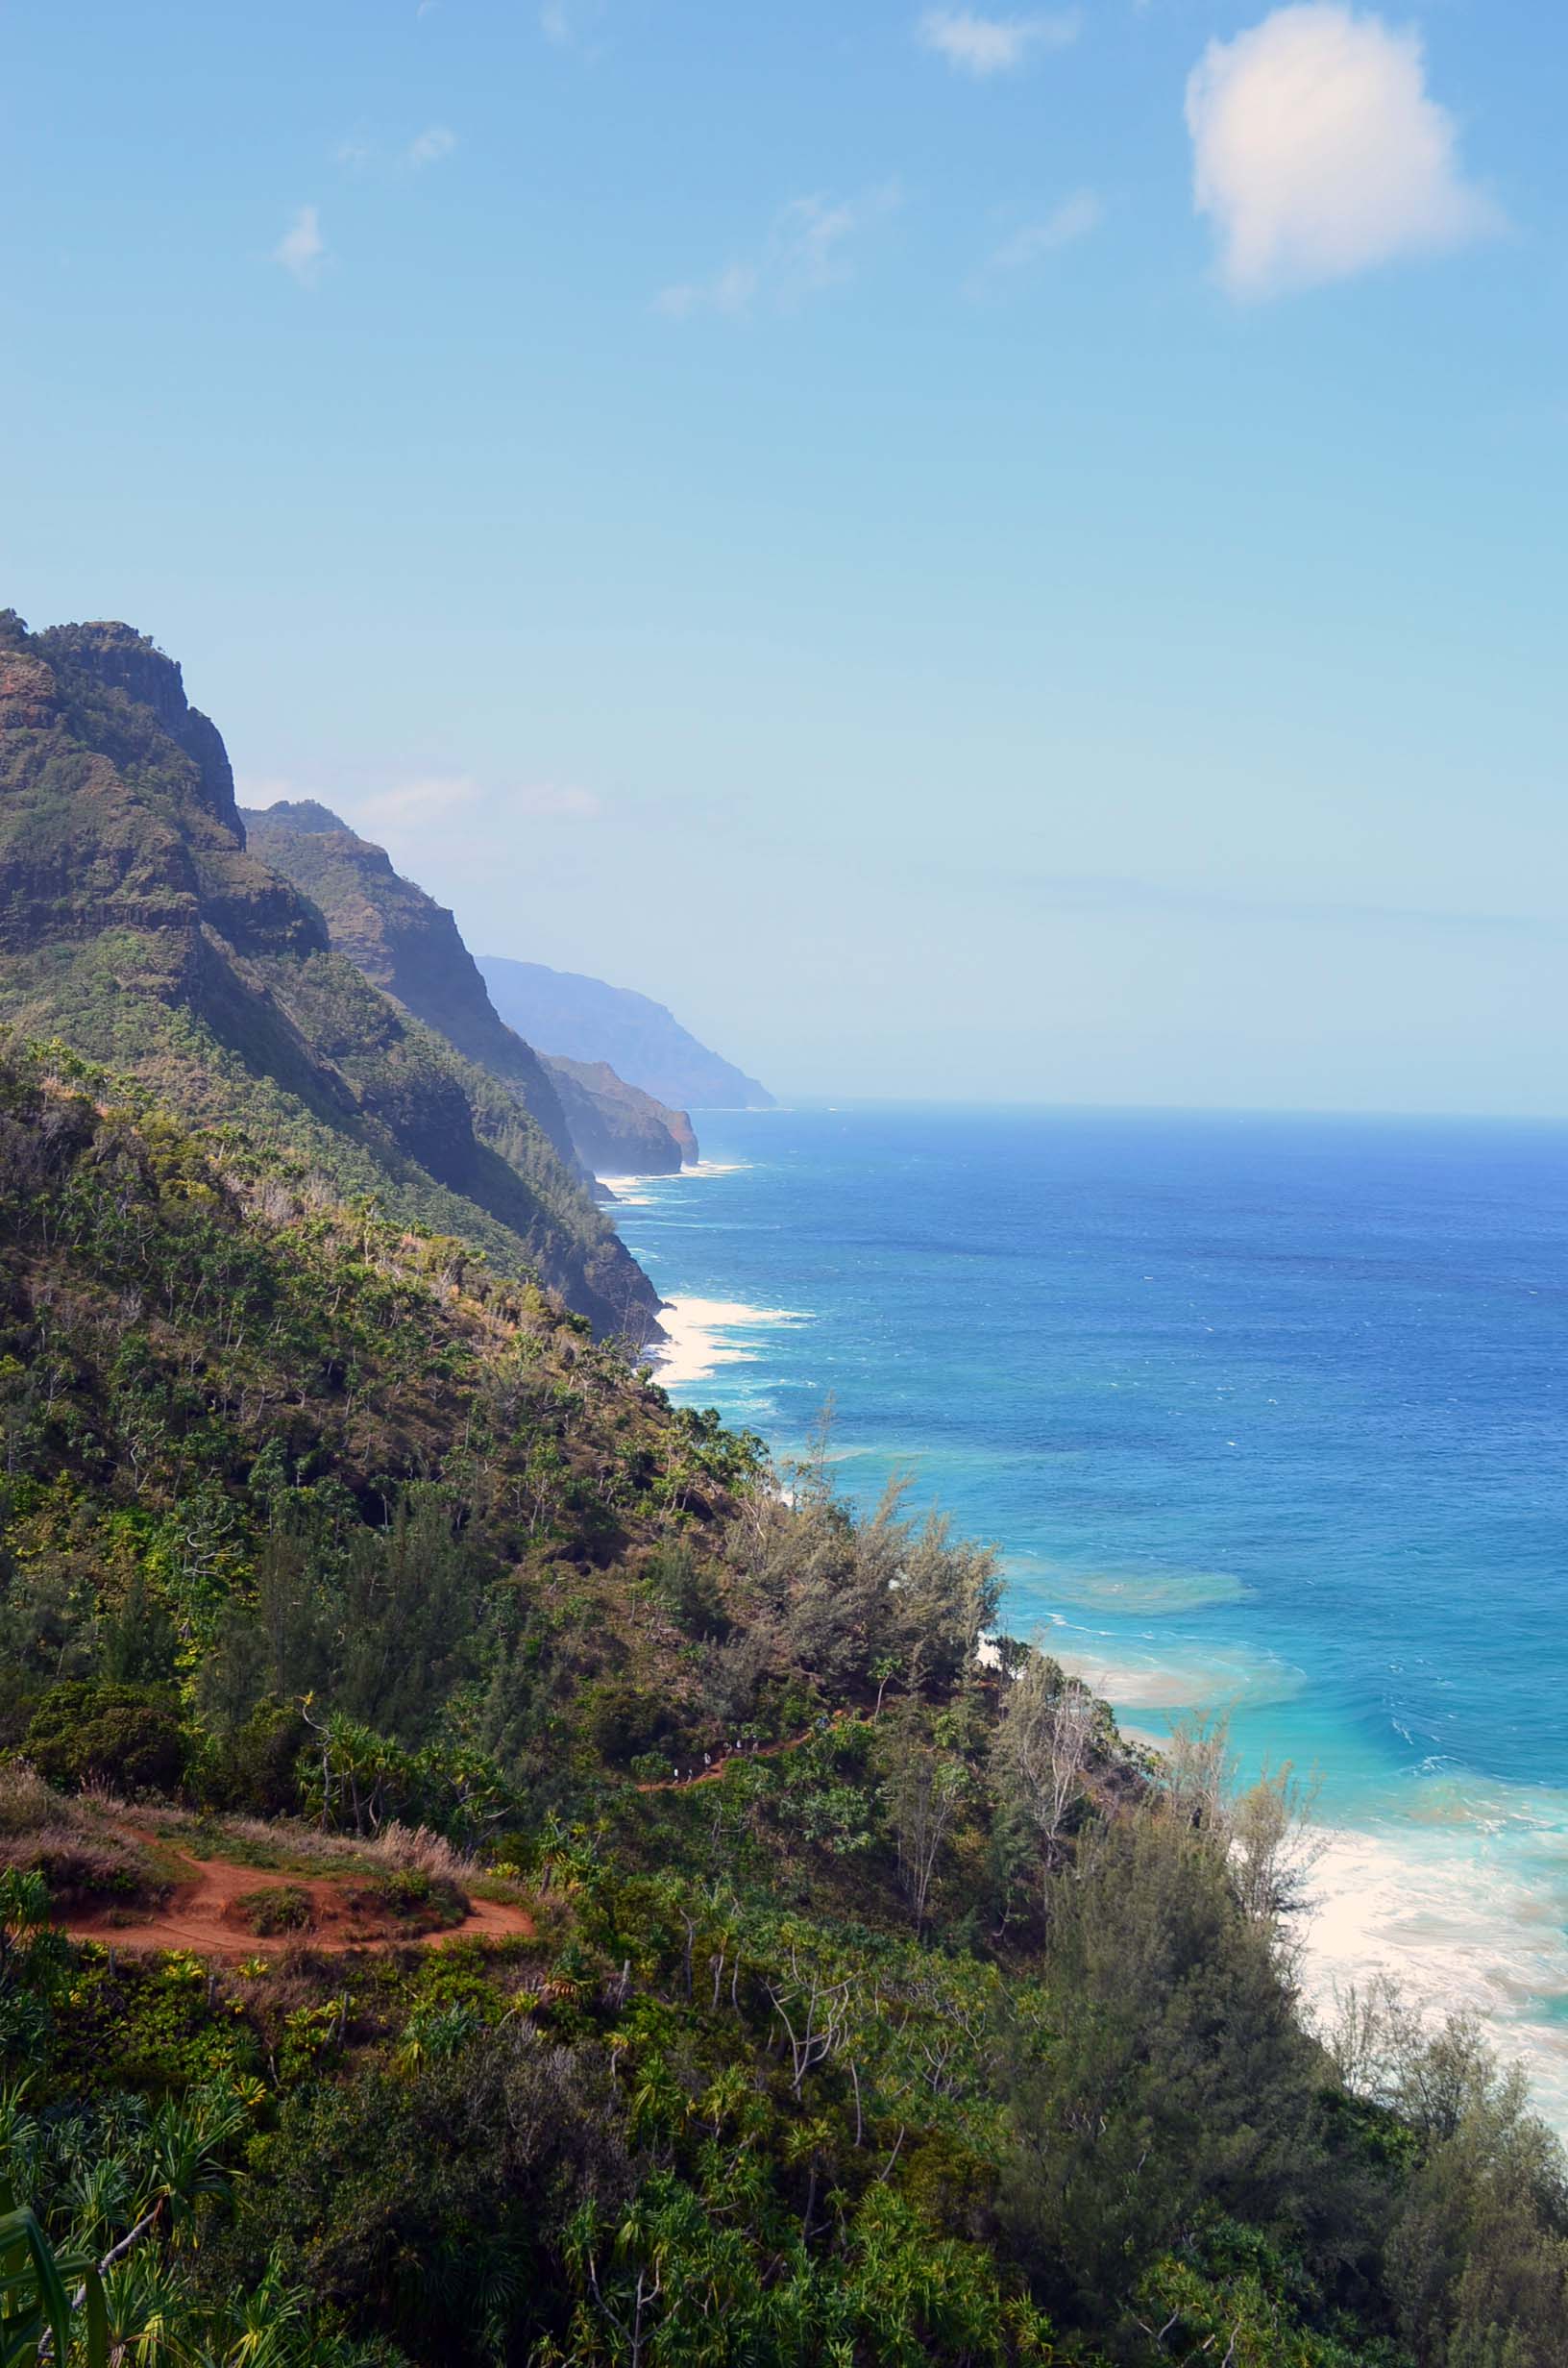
(1264, 1414)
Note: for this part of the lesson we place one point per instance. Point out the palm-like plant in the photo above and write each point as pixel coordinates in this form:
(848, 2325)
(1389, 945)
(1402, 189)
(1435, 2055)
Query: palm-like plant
(38, 2308)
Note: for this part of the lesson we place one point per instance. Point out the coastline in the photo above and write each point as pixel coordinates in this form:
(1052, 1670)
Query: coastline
(1453, 1884)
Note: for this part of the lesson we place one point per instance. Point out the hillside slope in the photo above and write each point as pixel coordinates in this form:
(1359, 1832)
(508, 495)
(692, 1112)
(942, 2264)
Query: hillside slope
(584, 1020)
(135, 926)
(619, 1129)
(410, 945)
(404, 942)
(931, 2022)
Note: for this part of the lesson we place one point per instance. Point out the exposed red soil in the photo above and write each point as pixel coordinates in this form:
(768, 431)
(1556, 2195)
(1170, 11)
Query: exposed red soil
(205, 1915)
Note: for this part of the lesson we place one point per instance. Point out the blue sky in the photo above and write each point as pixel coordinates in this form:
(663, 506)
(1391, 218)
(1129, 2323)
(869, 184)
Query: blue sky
(975, 552)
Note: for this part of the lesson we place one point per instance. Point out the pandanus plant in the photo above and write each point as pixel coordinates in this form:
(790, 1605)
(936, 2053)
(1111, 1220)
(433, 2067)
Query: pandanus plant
(51, 2306)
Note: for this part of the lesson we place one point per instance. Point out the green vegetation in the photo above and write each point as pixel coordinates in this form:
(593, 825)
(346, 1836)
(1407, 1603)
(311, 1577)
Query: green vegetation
(135, 926)
(829, 1997)
(935, 2024)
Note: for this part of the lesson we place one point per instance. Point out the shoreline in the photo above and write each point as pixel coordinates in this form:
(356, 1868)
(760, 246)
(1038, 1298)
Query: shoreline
(694, 1345)
(1457, 1887)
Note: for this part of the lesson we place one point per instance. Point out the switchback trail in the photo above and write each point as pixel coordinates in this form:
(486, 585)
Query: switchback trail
(204, 1916)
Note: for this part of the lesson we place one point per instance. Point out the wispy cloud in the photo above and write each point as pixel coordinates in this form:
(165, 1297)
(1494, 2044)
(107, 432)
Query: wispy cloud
(302, 249)
(1317, 151)
(987, 45)
(411, 808)
(730, 291)
(1074, 219)
(809, 248)
(566, 23)
(435, 142)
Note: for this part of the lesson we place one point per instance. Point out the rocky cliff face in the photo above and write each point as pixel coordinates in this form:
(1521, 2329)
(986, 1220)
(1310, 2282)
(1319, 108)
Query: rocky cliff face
(121, 660)
(619, 1129)
(405, 943)
(581, 1019)
(137, 926)
(410, 945)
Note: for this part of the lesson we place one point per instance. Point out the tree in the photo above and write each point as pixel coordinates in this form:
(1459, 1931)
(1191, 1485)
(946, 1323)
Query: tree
(926, 1789)
(1045, 1746)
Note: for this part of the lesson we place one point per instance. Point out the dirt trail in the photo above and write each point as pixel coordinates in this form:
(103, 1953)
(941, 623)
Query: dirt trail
(204, 1916)
(716, 1763)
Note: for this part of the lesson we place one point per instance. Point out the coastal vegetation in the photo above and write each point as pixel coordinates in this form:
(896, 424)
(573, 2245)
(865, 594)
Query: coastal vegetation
(931, 2020)
(491, 1871)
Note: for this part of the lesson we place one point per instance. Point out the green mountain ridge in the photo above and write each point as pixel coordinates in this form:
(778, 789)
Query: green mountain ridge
(135, 925)
(410, 945)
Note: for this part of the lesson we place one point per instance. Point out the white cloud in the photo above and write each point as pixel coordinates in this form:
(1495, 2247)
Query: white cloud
(1317, 152)
(433, 144)
(411, 807)
(1063, 226)
(413, 803)
(302, 248)
(986, 45)
(808, 248)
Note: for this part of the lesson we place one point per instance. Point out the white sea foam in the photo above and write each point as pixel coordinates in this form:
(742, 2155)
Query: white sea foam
(628, 1189)
(1461, 1898)
(636, 1192)
(697, 1340)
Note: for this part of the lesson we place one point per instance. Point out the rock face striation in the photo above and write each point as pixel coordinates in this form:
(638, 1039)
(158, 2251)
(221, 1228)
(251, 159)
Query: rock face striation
(581, 1019)
(138, 928)
(411, 947)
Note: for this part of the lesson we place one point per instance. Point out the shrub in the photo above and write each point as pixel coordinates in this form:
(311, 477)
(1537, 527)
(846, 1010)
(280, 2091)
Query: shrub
(92, 1729)
(423, 1903)
(79, 1858)
(283, 1908)
(625, 1720)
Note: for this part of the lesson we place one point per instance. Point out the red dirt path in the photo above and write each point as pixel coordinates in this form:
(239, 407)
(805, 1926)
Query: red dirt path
(204, 1916)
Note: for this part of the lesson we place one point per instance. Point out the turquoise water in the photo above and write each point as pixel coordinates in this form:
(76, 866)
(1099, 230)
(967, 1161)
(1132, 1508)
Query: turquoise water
(1263, 1413)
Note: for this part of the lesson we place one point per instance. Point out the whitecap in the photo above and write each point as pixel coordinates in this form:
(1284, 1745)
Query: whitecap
(695, 1344)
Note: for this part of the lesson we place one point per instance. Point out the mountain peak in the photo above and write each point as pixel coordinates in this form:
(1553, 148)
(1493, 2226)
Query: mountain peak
(306, 815)
(117, 658)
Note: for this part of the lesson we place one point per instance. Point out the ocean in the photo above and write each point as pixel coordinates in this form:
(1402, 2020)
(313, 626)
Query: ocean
(1266, 1415)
